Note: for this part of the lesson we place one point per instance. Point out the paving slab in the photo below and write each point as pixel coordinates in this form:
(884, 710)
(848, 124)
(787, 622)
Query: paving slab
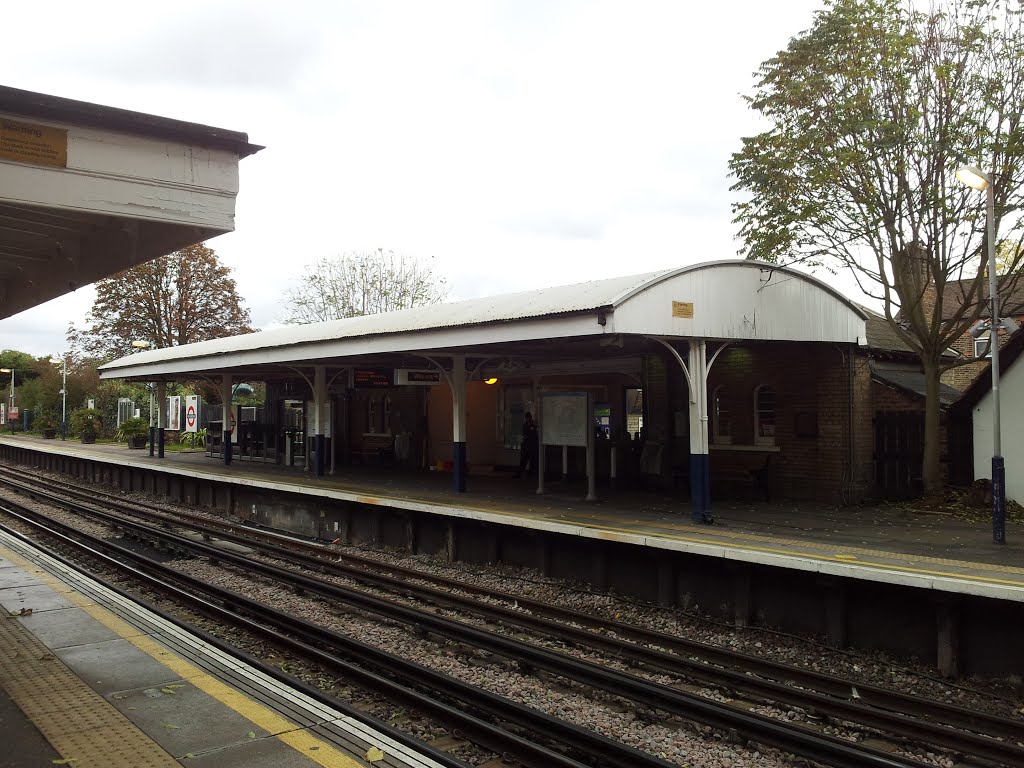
(38, 597)
(66, 628)
(12, 576)
(258, 753)
(115, 665)
(181, 718)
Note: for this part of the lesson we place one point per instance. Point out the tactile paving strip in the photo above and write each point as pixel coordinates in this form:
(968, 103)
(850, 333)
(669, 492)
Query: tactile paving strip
(84, 728)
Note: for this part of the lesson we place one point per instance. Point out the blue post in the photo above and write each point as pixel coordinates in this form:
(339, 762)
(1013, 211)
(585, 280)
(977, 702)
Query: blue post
(152, 439)
(998, 500)
(459, 468)
(321, 443)
(160, 442)
(227, 446)
(700, 488)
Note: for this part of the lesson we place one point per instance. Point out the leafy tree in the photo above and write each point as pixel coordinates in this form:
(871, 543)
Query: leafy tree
(870, 113)
(180, 298)
(362, 284)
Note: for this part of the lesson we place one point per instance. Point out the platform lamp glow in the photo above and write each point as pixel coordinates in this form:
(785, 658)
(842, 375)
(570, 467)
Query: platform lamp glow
(975, 178)
(63, 362)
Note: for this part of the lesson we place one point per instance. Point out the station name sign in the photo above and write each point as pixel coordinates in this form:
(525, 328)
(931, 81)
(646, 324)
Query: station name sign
(35, 144)
(427, 377)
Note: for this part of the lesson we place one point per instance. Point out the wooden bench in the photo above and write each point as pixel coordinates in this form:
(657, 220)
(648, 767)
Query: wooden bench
(375, 446)
(753, 483)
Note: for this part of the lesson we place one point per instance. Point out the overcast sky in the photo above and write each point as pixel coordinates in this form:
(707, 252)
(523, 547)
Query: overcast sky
(518, 144)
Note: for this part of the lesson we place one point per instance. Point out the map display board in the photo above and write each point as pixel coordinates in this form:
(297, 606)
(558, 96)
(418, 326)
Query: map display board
(564, 418)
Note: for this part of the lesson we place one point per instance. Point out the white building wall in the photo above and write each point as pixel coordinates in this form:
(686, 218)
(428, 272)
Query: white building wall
(1011, 406)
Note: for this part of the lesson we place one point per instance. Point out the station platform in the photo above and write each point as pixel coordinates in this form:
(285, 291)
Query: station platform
(90, 678)
(886, 544)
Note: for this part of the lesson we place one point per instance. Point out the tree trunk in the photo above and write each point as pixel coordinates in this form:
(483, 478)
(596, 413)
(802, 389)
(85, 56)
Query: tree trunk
(931, 474)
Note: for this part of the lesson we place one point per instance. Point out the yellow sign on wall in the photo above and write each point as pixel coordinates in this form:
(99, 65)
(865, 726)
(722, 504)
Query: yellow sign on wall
(682, 309)
(36, 144)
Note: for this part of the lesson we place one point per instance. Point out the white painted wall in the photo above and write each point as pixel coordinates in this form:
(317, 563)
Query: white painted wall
(1011, 406)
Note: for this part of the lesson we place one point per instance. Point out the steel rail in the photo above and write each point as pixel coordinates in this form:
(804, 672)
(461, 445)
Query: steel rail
(726, 718)
(829, 695)
(322, 644)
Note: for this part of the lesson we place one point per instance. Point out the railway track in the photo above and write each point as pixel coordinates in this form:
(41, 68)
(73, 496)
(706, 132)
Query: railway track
(914, 729)
(542, 741)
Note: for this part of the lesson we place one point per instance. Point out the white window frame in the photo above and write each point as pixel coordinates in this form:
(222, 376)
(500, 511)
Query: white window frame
(759, 427)
(983, 344)
(718, 409)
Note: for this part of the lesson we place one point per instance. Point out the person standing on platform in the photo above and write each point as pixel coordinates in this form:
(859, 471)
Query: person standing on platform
(528, 450)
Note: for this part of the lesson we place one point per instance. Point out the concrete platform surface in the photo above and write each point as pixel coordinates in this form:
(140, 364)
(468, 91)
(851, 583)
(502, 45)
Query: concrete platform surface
(89, 678)
(882, 543)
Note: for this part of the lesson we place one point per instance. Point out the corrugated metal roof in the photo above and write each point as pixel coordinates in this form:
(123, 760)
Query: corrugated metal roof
(545, 302)
(493, 315)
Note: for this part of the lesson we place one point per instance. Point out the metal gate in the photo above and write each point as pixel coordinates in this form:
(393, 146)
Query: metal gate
(899, 453)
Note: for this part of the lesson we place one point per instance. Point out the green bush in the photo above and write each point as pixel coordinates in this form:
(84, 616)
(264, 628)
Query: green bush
(86, 422)
(195, 439)
(136, 426)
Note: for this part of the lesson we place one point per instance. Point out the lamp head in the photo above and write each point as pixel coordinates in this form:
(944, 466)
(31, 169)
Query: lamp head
(56, 360)
(980, 328)
(139, 344)
(973, 177)
(6, 370)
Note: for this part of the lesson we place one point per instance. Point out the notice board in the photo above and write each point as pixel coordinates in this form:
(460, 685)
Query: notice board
(564, 418)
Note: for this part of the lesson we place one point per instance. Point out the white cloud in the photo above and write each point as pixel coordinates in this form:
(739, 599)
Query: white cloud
(521, 144)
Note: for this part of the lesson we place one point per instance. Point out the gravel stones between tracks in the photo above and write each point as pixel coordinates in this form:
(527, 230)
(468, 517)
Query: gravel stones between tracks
(632, 725)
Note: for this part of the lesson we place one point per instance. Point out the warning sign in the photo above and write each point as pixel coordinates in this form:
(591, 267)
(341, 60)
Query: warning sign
(36, 144)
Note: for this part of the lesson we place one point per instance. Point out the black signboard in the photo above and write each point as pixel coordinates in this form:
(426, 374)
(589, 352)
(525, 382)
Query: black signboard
(372, 378)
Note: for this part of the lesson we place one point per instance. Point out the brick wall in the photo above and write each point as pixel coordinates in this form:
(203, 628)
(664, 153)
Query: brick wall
(812, 383)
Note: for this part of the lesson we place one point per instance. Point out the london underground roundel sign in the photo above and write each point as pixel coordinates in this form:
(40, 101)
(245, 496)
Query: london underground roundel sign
(190, 416)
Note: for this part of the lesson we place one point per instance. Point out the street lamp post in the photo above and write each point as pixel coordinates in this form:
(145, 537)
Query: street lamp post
(975, 178)
(10, 406)
(63, 361)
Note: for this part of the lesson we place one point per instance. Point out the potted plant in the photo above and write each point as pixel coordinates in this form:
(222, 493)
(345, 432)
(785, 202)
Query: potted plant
(86, 423)
(46, 423)
(134, 431)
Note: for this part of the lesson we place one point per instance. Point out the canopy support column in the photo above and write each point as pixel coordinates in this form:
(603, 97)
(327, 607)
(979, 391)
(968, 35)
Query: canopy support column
(458, 383)
(152, 418)
(161, 399)
(700, 462)
(225, 400)
(319, 416)
(700, 465)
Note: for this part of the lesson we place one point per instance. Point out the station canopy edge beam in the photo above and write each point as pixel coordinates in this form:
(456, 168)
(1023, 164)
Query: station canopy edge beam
(90, 190)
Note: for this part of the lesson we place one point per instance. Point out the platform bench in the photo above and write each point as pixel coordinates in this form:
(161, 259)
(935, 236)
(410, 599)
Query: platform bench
(377, 447)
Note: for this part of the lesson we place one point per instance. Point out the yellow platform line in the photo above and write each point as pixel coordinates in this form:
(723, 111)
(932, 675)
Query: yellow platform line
(292, 734)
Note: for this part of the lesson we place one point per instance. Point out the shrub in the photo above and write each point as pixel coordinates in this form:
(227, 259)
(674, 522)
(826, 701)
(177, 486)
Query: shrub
(86, 422)
(136, 426)
(193, 439)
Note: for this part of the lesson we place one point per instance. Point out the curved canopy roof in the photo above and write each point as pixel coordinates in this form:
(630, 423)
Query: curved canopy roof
(724, 300)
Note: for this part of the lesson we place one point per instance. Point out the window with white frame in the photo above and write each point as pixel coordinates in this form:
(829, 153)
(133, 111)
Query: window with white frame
(981, 346)
(764, 415)
(721, 419)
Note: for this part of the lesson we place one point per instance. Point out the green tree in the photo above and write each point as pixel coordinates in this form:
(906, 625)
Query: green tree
(180, 298)
(362, 284)
(870, 112)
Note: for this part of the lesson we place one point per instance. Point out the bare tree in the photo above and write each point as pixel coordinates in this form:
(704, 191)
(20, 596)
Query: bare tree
(362, 284)
(872, 111)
